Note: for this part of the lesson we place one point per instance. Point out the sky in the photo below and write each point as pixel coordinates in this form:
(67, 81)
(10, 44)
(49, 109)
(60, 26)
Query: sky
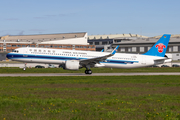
(96, 17)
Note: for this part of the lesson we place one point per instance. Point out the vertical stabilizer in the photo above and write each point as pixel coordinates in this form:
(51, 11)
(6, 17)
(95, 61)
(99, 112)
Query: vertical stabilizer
(160, 47)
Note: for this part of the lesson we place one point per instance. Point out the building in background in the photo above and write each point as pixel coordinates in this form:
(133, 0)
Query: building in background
(76, 41)
(105, 41)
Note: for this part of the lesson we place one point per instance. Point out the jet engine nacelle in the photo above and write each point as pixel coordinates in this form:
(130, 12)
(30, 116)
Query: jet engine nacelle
(72, 65)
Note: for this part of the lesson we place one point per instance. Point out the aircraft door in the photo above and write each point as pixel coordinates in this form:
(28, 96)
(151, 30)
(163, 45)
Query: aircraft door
(25, 53)
(143, 60)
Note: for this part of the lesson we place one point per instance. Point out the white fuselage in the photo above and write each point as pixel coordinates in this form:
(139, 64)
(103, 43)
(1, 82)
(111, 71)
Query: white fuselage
(59, 56)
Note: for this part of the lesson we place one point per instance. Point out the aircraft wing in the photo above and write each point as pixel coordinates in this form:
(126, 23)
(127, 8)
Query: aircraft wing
(95, 60)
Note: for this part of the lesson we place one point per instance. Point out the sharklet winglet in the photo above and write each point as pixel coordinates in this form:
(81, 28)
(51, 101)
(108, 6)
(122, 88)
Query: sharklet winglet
(115, 50)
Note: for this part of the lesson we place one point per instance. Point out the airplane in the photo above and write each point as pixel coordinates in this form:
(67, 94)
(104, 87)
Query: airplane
(76, 59)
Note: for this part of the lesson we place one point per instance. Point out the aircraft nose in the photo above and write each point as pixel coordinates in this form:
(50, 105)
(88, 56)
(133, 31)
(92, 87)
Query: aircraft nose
(8, 55)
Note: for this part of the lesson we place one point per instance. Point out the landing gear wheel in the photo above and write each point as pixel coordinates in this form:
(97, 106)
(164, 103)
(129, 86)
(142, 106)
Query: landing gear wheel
(85, 71)
(88, 72)
(24, 68)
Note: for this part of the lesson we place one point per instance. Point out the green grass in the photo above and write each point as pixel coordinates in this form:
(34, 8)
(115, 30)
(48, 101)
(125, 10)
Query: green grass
(95, 70)
(88, 98)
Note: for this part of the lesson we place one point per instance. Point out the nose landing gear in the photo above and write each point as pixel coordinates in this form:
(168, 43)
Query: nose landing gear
(25, 66)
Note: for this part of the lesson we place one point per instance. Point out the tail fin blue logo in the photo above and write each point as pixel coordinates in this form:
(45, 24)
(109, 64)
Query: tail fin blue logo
(160, 47)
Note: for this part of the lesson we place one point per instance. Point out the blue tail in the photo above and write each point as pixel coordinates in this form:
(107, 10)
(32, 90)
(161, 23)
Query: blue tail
(160, 47)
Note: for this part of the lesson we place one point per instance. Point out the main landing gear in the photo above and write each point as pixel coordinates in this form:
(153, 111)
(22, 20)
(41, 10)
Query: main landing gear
(88, 71)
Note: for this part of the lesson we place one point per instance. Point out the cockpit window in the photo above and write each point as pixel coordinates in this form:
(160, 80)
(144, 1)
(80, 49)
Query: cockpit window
(16, 51)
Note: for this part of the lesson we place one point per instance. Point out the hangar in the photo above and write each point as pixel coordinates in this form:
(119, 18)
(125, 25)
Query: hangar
(77, 41)
(104, 41)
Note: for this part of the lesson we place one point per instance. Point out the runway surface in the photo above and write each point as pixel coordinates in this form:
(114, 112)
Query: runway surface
(82, 74)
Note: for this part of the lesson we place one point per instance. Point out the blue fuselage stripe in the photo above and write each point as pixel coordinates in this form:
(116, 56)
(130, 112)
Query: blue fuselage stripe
(51, 57)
